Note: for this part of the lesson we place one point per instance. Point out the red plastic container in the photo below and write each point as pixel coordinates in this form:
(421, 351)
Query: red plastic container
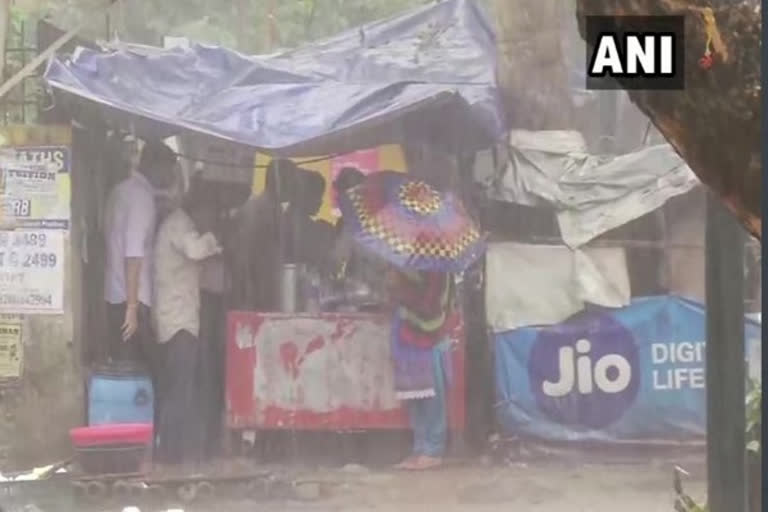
(113, 449)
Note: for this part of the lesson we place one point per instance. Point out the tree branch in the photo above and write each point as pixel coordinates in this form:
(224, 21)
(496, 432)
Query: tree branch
(714, 123)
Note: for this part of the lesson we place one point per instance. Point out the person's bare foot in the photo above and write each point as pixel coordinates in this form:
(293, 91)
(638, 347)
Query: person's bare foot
(425, 463)
(408, 462)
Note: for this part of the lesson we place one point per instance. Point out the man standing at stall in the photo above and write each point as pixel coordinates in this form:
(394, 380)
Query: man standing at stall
(179, 253)
(349, 177)
(130, 223)
(307, 240)
(255, 249)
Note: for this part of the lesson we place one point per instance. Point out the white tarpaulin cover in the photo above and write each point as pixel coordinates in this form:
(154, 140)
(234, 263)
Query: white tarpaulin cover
(592, 194)
(530, 285)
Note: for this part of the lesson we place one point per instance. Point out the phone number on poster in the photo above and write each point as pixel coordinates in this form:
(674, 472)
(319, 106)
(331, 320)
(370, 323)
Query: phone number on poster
(31, 300)
(28, 260)
(23, 239)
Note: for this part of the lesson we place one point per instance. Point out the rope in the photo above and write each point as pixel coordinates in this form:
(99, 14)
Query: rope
(237, 166)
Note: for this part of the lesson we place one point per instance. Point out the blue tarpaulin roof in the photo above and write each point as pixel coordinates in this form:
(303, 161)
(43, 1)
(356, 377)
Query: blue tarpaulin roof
(425, 75)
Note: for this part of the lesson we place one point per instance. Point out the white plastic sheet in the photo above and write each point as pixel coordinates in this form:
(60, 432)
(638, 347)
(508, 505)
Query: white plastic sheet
(592, 194)
(543, 284)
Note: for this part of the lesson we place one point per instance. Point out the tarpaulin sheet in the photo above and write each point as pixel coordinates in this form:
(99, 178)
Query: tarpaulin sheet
(629, 374)
(592, 194)
(429, 74)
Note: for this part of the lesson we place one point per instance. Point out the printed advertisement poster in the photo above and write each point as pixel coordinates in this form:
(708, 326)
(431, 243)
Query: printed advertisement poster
(35, 187)
(32, 271)
(11, 349)
(627, 374)
(390, 157)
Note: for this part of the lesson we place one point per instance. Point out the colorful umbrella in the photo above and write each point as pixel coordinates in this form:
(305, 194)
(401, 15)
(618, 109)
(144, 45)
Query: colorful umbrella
(410, 224)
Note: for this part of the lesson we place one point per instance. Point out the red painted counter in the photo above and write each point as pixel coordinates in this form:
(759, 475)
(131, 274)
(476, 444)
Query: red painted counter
(329, 371)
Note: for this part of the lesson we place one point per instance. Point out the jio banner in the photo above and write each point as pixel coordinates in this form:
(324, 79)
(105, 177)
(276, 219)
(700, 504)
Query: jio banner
(630, 374)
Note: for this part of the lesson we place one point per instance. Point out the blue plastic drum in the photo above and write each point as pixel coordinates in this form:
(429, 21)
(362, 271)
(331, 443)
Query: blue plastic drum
(120, 394)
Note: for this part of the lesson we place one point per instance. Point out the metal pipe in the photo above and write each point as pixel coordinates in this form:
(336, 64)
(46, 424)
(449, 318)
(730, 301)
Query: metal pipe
(289, 287)
(725, 361)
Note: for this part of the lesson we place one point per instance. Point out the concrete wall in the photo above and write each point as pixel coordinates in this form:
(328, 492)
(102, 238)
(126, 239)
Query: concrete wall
(37, 412)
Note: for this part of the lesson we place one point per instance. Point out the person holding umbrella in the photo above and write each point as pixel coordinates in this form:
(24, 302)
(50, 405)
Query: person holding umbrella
(427, 237)
(421, 350)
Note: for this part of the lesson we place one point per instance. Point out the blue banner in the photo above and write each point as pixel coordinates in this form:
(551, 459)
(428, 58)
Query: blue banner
(629, 374)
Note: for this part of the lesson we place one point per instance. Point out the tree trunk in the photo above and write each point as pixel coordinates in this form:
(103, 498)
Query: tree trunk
(532, 73)
(714, 123)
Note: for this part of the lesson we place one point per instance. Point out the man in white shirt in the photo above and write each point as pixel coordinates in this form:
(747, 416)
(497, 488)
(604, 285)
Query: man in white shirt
(180, 250)
(130, 224)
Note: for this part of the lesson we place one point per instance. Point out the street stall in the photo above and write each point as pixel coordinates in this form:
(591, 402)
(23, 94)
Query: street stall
(422, 79)
(329, 369)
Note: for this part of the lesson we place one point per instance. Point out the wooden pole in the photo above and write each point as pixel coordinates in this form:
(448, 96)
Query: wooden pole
(5, 21)
(726, 372)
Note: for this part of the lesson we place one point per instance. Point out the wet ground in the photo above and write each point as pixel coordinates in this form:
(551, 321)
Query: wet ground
(551, 486)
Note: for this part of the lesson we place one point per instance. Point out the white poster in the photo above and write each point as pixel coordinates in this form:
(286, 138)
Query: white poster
(11, 348)
(35, 187)
(32, 271)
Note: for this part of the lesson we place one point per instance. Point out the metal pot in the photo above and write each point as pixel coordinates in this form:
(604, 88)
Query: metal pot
(289, 287)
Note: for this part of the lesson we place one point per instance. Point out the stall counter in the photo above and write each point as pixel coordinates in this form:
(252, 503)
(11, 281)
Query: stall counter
(328, 371)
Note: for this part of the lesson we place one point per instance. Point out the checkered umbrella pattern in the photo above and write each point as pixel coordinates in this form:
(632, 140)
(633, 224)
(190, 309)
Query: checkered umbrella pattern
(410, 224)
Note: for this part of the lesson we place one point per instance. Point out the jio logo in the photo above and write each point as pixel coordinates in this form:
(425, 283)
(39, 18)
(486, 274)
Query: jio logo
(585, 372)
